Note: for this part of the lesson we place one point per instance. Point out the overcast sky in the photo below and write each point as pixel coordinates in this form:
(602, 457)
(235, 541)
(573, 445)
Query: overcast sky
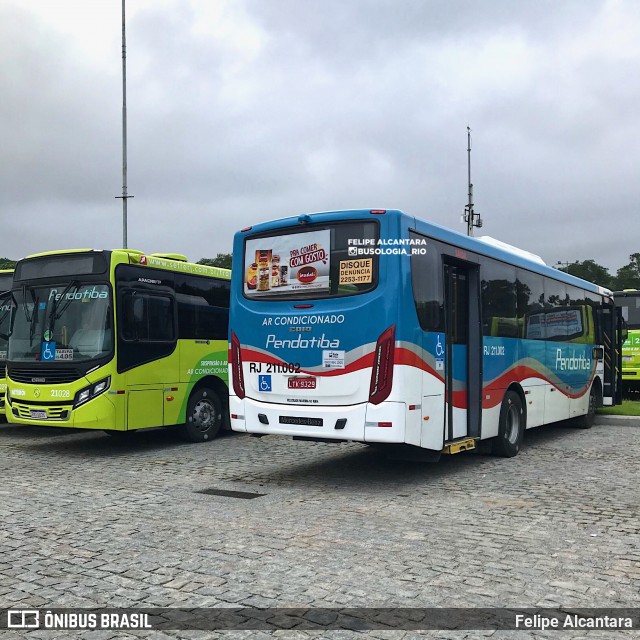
(241, 111)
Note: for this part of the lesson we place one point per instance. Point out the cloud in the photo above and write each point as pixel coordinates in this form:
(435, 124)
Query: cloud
(240, 112)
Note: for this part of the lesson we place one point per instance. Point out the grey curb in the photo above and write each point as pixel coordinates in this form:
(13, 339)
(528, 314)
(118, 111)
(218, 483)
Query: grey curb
(619, 421)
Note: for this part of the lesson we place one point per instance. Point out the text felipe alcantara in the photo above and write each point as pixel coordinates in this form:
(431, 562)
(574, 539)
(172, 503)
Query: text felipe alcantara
(572, 621)
(389, 246)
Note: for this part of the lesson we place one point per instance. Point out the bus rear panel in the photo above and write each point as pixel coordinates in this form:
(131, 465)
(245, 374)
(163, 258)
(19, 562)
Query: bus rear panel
(313, 346)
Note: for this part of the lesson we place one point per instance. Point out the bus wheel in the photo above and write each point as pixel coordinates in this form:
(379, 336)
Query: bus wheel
(586, 421)
(512, 425)
(204, 416)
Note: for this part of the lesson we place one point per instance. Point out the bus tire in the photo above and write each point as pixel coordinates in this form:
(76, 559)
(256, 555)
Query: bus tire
(204, 416)
(586, 421)
(511, 427)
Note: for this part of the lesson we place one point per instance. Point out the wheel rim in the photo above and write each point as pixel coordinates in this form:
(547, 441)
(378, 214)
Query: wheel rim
(513, 424)
(204, 416)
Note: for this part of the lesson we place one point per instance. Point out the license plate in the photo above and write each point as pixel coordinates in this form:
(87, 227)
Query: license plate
(308, 422)
(38, 414)
(302, 383)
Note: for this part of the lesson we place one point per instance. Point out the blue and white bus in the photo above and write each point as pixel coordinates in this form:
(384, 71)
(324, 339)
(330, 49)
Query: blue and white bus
(375, 326)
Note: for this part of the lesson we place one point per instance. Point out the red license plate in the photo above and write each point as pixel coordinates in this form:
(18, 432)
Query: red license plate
(302, 383)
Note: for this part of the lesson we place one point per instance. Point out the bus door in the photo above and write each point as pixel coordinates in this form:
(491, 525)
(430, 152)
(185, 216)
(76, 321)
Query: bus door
(463, 380)
(621, 336)
(147, 337)
(610, 325)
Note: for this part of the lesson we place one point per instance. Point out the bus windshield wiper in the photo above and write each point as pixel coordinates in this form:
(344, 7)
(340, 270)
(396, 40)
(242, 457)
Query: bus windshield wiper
(32, 318)
(25, 306)
(55, 313)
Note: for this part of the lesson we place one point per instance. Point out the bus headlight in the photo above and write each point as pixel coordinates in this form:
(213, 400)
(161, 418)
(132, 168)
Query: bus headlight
(100, 387)
(83, 396)
(91, 392)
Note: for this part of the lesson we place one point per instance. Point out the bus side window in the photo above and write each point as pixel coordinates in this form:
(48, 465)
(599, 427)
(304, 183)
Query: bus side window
(530, 304)
(137, 311)
(147, 317)
(556, 310)
(129, 324)
(203, 308)
(426, 284)
(498, 289)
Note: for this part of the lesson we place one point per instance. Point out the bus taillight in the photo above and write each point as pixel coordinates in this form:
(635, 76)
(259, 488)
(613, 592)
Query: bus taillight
(236, 366)
(382, 372)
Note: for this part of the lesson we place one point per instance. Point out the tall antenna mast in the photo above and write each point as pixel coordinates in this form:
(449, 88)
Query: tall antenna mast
(472, 219)
(124, 195)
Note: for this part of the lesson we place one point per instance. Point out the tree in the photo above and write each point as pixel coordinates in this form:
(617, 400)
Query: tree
(590, 271)
(5, 263)
(222, 260)
(628, 277)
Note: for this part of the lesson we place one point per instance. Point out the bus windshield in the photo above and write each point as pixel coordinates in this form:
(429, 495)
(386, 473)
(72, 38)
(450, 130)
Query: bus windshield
(317, 262)
(67, 322)
(630, 306)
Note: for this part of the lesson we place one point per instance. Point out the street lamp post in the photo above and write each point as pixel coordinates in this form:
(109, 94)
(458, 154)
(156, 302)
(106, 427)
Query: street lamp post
(124, 195)
(472, 218)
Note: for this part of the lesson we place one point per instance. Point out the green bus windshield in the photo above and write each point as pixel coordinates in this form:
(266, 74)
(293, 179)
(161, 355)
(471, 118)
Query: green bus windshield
(630, 306)
(71, 322)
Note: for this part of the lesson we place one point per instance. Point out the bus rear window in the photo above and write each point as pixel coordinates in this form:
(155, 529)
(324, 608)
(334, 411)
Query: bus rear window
(311, 262)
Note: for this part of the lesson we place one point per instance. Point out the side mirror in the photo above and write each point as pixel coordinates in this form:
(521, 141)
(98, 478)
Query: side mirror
(624, 333)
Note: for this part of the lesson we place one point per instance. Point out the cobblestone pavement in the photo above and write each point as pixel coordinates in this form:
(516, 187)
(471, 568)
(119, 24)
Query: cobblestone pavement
(88, 520)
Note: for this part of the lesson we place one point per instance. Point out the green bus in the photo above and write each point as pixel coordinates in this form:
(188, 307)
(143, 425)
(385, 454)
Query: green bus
(629, 302)
(119, 341)
(6, 277)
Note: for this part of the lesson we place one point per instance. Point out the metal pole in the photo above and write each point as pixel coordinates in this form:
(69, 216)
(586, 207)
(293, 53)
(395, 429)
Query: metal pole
(470, 204)
(124, 130)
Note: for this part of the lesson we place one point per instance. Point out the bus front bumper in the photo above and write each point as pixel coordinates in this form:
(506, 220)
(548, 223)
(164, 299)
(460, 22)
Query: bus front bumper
(98, 413)
(360, 423)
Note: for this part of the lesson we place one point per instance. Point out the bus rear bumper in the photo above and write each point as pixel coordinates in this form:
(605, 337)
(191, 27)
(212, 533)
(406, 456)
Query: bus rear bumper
(361, 422)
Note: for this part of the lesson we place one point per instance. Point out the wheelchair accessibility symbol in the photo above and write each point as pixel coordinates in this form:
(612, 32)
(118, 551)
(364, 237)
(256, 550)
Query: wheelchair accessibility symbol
(48, 351)
(439, 354)
(264, 383)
